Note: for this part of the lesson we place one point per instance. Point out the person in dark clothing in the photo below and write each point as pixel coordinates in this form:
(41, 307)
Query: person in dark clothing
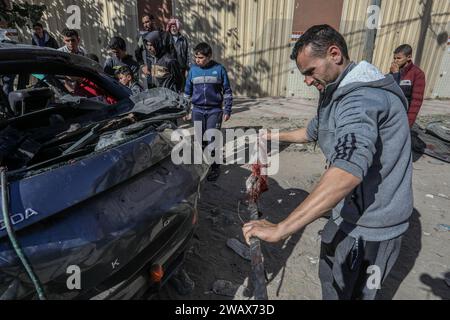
(148, 25)
(141, 53)
(119, 58)
(127, 78)
(410, 78)
(42, 38)
(180, 45)
(209, 88)
(164, 70)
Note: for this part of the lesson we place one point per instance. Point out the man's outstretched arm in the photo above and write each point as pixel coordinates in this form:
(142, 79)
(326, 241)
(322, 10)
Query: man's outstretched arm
(356, 135)
(334, 186)
(303, 135)
(295, 136)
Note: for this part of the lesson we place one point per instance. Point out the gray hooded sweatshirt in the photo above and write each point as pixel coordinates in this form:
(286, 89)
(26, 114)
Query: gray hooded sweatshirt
(362, 128)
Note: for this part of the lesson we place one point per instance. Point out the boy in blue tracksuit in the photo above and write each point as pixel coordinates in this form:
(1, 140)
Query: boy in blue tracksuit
(208, 87)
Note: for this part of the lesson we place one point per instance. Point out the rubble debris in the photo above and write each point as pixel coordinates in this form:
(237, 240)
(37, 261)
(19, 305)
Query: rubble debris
(228, 288)
(243, 291)
(182, 283)
(442, 227)
(439, 129)
(429, 196)
(238, 247)
(425, 143)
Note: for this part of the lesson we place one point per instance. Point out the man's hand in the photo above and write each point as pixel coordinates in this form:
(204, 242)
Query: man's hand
(145, 70)
(263, 230)
(226, 117)
(394, 68)
(334, 186)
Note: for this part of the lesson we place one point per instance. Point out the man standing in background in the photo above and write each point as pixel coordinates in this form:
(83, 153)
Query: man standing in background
(119, 58)
(164, 71)
(72, 42)
(148, 25)
(42, 38)
(410, 78)
(180, 44)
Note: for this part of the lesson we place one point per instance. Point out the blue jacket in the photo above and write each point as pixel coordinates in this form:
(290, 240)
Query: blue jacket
(209, 87)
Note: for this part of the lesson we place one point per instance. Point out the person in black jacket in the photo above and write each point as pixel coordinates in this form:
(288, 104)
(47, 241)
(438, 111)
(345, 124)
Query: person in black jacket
(42, 38)
(118, 47)
(180, 45)
(148, 25)
(165, 70)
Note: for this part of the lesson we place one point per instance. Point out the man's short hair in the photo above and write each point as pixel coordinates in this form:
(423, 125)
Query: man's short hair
(117, 43)
(203, 48)
(320, 37)
(69, 33)
(38, 24)
(124, 70)
(406, 49)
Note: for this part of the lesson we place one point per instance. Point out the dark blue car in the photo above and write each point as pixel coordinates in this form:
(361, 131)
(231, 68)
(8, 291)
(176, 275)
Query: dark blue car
(95, 203)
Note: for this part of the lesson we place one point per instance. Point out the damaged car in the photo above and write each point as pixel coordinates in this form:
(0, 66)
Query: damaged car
(92, 205)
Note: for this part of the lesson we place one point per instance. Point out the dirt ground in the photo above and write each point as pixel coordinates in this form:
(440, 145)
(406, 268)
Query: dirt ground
(292, 266)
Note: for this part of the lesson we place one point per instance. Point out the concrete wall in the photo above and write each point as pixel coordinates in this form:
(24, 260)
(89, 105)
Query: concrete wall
(252, 38)
(422, 24)
(100, 20)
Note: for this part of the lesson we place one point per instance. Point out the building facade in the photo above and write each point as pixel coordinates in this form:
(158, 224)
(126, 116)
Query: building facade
(253, 38)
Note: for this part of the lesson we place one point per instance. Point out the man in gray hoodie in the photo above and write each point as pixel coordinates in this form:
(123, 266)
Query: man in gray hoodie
(362, 128)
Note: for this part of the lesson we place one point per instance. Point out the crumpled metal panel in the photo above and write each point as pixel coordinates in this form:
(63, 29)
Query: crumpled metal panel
(83, 179)
(129, 217)
(153, 100)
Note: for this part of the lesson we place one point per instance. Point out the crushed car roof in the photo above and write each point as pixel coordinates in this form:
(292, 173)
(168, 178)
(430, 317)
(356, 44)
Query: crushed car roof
(24, 53)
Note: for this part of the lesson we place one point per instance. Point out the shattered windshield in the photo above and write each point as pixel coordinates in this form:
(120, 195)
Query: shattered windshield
(45, 89)
(62, 118)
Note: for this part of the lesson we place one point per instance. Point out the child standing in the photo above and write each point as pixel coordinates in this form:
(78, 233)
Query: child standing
(208, 87)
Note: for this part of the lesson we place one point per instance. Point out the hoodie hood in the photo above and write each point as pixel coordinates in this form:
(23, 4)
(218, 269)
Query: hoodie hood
(365, 74)
(155, 38)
